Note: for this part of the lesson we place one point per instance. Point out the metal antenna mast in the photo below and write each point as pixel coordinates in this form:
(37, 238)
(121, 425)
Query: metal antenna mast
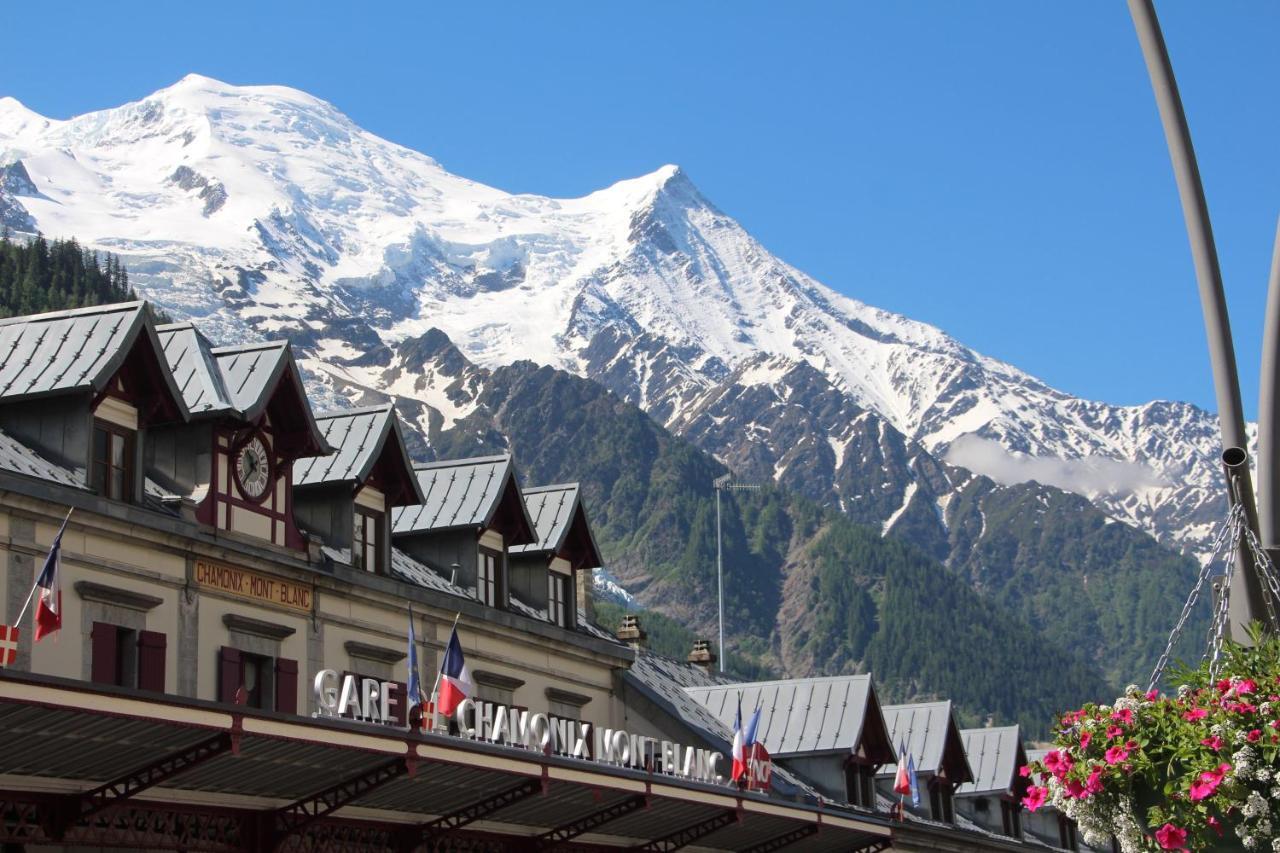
(722, 483)
(1247, 603)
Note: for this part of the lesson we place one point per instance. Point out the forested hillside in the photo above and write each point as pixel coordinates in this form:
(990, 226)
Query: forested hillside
(810, 592)
(39, 276)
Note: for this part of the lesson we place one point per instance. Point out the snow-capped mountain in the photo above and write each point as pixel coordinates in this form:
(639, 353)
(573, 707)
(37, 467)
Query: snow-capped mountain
(264, 211)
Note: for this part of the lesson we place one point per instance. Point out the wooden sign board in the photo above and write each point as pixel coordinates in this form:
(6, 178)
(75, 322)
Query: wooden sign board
(254, 586)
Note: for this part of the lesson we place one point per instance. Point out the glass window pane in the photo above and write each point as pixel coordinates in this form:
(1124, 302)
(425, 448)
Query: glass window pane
(99, 478)
(117, 450)
(117, 483)
(100, 445)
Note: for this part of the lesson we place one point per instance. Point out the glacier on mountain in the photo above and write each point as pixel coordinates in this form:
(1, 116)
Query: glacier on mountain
(264, 211)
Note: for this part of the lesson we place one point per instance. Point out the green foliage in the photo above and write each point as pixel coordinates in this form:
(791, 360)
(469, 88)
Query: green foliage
(1198, 768)
(807, 591)
(41, 276)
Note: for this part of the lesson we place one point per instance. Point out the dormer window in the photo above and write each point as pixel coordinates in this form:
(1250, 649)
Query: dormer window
(366, 542)
(113, 460)
(558, 599)
(487, 577)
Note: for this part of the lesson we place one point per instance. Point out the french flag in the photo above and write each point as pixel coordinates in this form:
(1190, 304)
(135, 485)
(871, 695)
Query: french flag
(455, 678)
(902, 779)
(49, 606)
(743, 740)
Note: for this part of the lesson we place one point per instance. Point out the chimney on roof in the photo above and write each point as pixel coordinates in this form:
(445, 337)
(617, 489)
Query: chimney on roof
(631, 633)
(702, 656)
(584, 580)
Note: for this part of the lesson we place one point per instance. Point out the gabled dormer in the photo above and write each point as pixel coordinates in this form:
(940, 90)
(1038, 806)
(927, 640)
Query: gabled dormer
(471, 513)
(82, 388)
(346, 498)
(250, 422)
(931, 737)
(553, 575)
(993, 799)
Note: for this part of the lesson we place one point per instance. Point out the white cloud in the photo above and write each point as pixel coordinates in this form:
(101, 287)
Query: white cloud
(1088, 477)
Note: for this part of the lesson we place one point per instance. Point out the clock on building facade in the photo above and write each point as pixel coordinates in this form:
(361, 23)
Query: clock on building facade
(253, 468)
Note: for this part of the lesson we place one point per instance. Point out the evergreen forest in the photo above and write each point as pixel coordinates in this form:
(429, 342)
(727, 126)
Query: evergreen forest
(40, 275)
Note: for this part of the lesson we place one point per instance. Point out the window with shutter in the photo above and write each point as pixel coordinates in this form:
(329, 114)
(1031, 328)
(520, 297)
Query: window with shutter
(229, 675)
(151, 646)
(286, 686)
(102, 640)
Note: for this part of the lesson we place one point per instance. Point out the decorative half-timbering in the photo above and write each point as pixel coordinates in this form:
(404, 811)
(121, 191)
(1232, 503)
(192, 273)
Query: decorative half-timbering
(251, 422)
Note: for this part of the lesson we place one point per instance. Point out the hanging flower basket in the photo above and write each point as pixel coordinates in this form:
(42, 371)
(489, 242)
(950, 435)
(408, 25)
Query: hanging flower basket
(1197, 770)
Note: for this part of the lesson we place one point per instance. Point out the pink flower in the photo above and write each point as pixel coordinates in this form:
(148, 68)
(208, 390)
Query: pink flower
(1153, 695)
(1035, 797)
(1171, 837)
(1116, 754)
(1224, 685)
(1058, 762)
(1208, 782)
(1075, 790)
(1114, 732)
(1275, 724)
(1248, 685)
(1254, 736)
(1212, 821)
(1093, 784)
(1024, 771)
(1214, 743)
(1085, 737)
(1124, 715)
(1195, 714)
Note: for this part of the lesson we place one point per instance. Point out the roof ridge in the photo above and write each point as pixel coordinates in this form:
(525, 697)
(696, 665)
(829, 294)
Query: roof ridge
(115, 307)
(233, 349)
(552, 487)
(359, 410)
(470, 460)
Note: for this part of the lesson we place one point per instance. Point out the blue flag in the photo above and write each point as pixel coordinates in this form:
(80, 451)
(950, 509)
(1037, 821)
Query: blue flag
(915, 784)
(415, 695)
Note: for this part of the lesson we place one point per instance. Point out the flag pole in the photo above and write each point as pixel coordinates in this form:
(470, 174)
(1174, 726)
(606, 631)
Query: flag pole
(32, 593)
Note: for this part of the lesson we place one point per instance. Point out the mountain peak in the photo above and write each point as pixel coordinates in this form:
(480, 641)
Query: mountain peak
(16, 118)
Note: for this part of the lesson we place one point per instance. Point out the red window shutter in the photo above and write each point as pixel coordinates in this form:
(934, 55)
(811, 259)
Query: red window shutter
(151, 646)
(103, 643)
(229, 675)
(286, 686)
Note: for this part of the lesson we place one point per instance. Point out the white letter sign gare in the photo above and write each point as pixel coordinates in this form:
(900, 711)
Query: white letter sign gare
(355, 698)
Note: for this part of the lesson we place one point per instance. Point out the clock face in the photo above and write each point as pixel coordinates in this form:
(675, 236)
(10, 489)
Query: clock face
(253, 468)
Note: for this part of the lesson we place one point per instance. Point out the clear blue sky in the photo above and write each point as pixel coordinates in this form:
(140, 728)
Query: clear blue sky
(995, 168)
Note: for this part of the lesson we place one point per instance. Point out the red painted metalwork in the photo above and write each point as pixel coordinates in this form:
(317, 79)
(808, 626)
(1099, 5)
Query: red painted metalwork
(590, 822)
(483, 808)
(76, 807)
(689, 834)
(297, 816)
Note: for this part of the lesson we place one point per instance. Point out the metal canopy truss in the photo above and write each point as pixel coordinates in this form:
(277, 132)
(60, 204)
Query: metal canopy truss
(297, 816)
(482, 808)
(590, 822)
(785, 840)
(76, 807)
(689, 834)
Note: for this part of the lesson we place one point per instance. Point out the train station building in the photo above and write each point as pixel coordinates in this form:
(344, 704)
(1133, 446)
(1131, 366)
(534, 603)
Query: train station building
(238, 577)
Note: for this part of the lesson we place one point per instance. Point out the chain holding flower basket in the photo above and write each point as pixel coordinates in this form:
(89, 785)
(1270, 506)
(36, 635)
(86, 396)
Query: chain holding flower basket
(1236, 530)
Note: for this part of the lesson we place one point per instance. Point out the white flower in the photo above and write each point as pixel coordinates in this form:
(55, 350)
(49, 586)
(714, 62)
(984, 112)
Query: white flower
(1183, 690)
(1125, 703)
(1262, 774)
(1254, 806)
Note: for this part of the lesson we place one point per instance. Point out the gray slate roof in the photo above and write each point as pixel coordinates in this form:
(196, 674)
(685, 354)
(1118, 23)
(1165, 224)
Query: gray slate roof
(922, 730)
(798, 716)
(358, 437)
(68, 351)
(20, 459)
(993, 757)
(194, 369)
(249, 373)
(551, 508)
(664, 681)
(459, 493)
(408, 569)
